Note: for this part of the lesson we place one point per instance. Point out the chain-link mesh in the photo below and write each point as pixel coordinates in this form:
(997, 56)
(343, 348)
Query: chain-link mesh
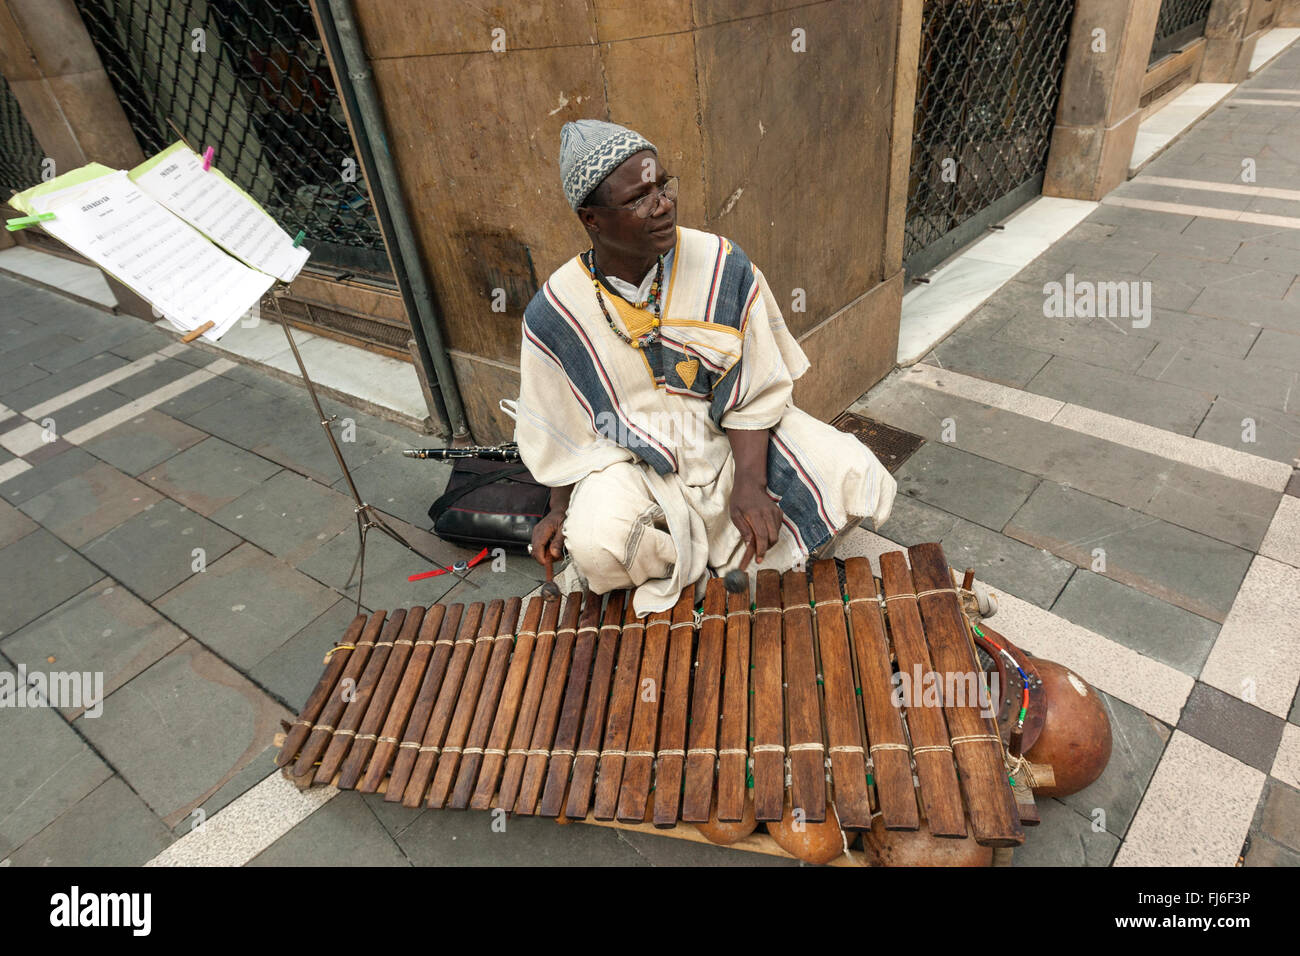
(20, 154)
(988, 79)
(1178, 22)
(248, 78)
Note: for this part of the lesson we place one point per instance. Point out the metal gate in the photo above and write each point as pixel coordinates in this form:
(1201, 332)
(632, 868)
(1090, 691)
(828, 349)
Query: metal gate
(20, 154)
(1179, 22)
(248, 78)
(988, 80)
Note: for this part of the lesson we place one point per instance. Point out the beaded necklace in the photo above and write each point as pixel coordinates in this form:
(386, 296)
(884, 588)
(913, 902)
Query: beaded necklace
(652, 299)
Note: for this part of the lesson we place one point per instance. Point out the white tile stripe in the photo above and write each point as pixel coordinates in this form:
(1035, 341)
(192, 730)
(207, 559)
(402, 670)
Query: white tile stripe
(104, 381)
(1229, 462)
(1251, 102)
(1240, 189)
(1197, 810)
(247, 825)
(12, 469)
(1209, 212)
(24, 439)
(1256, 656)
(1268, 89)
(1286, 765)
(117, 416)
(1120, 671)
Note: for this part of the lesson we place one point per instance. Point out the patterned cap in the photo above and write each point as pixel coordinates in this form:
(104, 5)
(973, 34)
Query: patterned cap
(592, 149)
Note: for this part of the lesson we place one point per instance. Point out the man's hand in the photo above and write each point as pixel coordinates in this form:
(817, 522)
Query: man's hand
(548, 534)
(756, 516)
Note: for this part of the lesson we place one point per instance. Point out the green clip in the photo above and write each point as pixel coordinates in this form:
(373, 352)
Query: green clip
(13, 225)
(857, 691)
(871, 781)
(1012, 779)
(976, 629)
(297, 240)
(753, 606)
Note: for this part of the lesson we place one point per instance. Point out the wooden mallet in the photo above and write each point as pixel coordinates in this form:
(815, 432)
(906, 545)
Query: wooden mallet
(550, 590)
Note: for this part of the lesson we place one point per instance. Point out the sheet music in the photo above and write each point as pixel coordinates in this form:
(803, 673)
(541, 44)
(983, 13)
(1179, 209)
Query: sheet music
(217, 208)
(110, 221)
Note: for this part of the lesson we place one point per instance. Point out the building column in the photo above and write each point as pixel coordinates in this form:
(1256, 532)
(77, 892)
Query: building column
(1230, 34)
(1097, 116)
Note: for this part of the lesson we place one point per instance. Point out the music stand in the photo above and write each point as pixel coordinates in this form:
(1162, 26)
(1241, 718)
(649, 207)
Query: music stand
(367, 515)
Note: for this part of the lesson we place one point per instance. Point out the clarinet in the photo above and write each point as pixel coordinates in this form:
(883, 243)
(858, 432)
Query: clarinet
(506, 452)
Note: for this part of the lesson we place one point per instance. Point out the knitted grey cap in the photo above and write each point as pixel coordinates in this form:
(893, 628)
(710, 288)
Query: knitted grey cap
(590, 150)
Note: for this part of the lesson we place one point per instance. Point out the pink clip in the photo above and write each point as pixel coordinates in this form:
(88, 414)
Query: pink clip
(207, 159)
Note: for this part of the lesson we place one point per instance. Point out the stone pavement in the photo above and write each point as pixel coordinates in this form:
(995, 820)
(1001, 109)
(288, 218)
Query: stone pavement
(1137, 481)
(1128, 489)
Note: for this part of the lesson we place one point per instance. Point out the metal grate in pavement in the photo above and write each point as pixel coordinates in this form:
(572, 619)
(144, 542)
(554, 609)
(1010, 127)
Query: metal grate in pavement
(892, 446)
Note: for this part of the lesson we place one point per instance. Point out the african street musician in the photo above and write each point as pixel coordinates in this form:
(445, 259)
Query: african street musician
(655, 397)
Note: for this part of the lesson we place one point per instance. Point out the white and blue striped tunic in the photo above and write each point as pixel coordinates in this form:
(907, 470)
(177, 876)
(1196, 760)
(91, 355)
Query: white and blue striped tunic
(640, 432)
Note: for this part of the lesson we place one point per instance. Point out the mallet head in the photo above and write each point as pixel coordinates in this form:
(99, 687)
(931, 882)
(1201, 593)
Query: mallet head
(736, 581)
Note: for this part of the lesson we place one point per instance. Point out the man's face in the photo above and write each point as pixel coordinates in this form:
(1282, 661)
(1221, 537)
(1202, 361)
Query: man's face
(620, 229)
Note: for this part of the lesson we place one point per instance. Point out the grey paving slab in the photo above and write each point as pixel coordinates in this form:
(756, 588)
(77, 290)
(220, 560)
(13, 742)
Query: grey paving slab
(388, 565)
(1208, 333)
(182, 729)
(104, 629)
(110, 826)
(194, 400)
(1234, 511)
(209, 475)
(33, 481)
(1137, 620)
(147, 440)
(1158, 239)
(1065, 838)
(154, 377)
(403, 487)
(1276, 435)
(1269, 314)
(1181, 567)
(13, 524)
(1264, 852)
(1027, 572)
(40, 572)
(1279, 814)
(660, 850)
(257, 378)
(1140, 189)
(290, 671)
(1137, 742)
(244, 418)
(914, 522)
(89, 504)
(47, 769)
(51, 384)
(1097, 256)
(1158, 404)
(342, 833)
(154, 551)
(288, 515)
(994, 361)
(23, 347)
(100, 340)
(1077, 339)
(21, 377)
(963, 484)
(1267, 255)
(1279, 349)
(86, 410)
(252, 773)
(299, 443)
(1127, 215)
(1238, 379)
(393, 816)
(246, 605)
(147, 340)
(1231, 725)
(467, 839)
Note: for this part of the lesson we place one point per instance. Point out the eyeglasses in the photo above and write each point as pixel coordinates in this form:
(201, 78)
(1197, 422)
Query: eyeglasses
(648, 203)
